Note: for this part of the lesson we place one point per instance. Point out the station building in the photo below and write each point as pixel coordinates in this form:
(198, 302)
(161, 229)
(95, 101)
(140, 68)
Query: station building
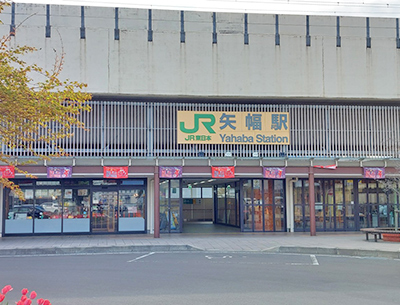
(246, 122)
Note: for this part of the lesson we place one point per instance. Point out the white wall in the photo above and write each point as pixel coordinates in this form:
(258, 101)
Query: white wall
(134, 66)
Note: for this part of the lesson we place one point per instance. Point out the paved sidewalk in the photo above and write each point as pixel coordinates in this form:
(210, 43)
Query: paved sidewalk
(352, 244)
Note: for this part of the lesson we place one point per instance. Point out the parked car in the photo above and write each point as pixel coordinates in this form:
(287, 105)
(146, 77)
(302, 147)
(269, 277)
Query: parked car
(53, 207)
(25, 211)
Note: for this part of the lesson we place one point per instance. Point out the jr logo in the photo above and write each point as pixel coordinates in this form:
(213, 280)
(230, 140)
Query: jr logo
(208, 120)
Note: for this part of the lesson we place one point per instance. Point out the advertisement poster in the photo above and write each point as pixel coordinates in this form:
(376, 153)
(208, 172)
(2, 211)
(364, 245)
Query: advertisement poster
(115, 172)
(223, 172)
(170, 171)
(374, 172)
(7, 172)
(59, 172)
(227, 127)
(274, 172)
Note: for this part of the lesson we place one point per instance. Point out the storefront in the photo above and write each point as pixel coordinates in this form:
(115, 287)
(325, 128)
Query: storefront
(250, 205)
(72, 206)
(344, 204)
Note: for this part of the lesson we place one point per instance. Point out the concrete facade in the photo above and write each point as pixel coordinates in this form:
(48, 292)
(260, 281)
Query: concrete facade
(139, 55)
(165, 66)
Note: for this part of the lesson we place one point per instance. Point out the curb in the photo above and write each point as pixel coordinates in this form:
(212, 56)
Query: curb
(338, 251)
(190, 248)
(95, 250)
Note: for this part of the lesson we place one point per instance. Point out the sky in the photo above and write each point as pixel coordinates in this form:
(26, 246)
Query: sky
(357, 8)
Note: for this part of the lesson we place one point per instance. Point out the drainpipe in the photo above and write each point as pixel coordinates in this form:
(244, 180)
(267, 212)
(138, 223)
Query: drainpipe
(311, 200)
(156, 203)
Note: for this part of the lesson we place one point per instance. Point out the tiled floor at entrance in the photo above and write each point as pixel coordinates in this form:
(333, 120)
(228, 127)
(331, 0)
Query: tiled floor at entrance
(207, 228)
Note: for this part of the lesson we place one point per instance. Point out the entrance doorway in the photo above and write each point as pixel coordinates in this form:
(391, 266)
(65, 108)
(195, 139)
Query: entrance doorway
(104, 211)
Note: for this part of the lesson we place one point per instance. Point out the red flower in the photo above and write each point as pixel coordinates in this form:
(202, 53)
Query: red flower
(24, 291)
(40, 301)
(46, 302)
(28, 302)
(24, 298)
(33, 295)
(6, 289)
(20, 303)
(2, 297)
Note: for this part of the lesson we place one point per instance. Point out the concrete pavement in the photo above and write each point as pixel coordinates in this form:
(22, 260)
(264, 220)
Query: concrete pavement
(351, 244)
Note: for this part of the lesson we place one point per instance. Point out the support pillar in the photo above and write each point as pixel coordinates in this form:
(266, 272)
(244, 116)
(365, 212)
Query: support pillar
(156, 203)
(311, 201)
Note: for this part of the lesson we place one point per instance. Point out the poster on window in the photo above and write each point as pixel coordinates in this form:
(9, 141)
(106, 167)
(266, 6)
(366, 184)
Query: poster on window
(170, 171)
(59, 172)
(274, 172)
(115, 172)
(223, 171)
(7, 172)
(374, 172)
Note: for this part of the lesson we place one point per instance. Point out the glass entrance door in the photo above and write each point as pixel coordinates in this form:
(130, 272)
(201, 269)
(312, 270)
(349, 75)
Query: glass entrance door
(170, 206)
(104, 211)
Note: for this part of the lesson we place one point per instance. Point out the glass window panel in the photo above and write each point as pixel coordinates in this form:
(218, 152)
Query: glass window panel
(307, 217)
(247, 194)
(76, 207)
(318, 191)
(175, 216)
(319, 216)
(231, 212)
(132, 203)
(49, 201)
(269, 217)
(207, 192)
(298, 218)
(362, 192)
(19, 214)
(279, 218)
(268, 191)
(186, 192)
(164, 192)
(329, 217)
(257, 191)
(196, 192)
(297, 192)
(258, 218)
(48, 211)
(349, 204)
(230, 191)
(132, 210)
(164, 218)
(364, 216)
(279, 193)
(247, 217)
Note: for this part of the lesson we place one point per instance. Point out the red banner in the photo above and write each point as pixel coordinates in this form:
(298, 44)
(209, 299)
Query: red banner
(333, 166)
(7, 172)
(115, 172)
(223, 172)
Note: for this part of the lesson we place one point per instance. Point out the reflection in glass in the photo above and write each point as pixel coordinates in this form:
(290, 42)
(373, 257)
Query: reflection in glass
(48, 208)
(104, 211)
(19, 214)
(76, 210)
(132, 210)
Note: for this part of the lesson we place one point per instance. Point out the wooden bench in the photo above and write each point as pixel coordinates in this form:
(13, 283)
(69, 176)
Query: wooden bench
(377, 232)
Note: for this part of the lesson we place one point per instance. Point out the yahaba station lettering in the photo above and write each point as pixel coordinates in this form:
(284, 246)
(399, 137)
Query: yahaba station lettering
(261, 128)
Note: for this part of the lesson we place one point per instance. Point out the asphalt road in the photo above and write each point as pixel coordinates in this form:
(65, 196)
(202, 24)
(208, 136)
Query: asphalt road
(204, 278)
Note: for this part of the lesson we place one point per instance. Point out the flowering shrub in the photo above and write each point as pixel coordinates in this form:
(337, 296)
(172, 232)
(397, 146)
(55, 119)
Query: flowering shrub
(25, 300)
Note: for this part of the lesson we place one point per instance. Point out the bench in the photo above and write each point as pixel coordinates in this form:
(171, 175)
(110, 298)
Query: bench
(377, 232)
